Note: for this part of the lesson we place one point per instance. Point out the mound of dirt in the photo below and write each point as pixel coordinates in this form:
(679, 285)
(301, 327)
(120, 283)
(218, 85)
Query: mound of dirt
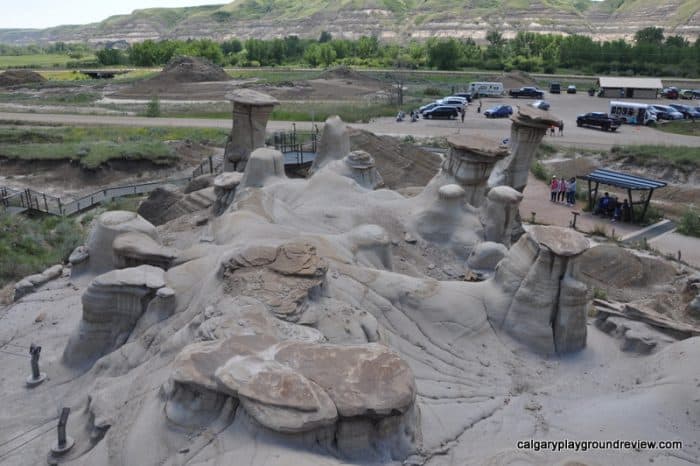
(190, 70)
(515, 79)
(624, 275)
(16, 77)
(346, 73)
(400, 164)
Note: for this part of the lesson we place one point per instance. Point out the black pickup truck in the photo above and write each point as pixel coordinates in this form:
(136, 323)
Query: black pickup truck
(599, 119)
(531, 92)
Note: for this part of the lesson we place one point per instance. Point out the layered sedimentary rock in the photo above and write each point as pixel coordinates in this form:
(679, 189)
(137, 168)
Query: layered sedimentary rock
(112, 305)
(310, 320)
(538, 301)
(526, 132)
(31, 282)
(132, 249)
(108, 226)
(499, 214)
(251, 110)
(334, 143)
(470, 162)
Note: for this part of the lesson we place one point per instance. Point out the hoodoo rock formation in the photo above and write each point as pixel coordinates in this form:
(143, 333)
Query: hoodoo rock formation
(303, 323)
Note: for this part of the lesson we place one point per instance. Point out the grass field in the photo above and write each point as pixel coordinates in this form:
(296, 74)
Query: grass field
(93, 146)
(684, 158)
(30, 245)
(687, 127)
(38, 61)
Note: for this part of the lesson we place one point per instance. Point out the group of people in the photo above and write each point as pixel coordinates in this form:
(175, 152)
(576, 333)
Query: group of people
(562, 189)
(610, 207)
(553, 128)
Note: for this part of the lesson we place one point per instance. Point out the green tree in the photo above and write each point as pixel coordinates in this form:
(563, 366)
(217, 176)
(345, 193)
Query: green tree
(443, 54)
(650, 35)
(325, 37)
(326, 54)
(312, 55)
(153, 107)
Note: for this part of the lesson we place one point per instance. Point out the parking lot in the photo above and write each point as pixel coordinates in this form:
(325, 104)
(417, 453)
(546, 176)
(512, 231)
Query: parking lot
(564, 107)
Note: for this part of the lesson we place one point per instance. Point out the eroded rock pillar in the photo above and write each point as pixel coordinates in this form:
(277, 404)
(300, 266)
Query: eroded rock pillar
(470, 161)
(251, 110)
(541, 304)
(526, 132)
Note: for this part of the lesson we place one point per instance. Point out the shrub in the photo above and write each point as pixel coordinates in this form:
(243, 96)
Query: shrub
(689, 223)
(539, 171)
(153, 107)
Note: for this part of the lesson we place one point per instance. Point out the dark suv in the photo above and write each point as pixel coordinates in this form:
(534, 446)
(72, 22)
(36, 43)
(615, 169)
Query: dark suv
(600, 119)
(441, 111)
(554, 88)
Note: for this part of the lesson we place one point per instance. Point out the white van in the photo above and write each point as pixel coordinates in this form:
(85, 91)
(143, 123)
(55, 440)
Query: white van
(485, 89)
(633, 113)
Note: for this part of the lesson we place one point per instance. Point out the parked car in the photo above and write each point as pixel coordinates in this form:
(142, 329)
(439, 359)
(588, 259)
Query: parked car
(571, 89)
(441, 111)
(427, 107)
(466, 95)
(686, 94)
(686, 110)
(696, 93)
(669, 92)
(554, 88)
(499, 111)
(664, 112)
(460, 102)
(600, 119)
(541, 104)
(531, 92)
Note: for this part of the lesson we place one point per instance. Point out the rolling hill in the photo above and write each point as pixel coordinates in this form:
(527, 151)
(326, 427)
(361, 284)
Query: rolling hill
(387, 19)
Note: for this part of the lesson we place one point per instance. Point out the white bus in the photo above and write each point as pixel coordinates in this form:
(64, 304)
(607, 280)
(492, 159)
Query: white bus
(479, 89)
(633, 113)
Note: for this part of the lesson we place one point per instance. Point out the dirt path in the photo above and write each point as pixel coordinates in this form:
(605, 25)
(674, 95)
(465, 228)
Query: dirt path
(473, 124)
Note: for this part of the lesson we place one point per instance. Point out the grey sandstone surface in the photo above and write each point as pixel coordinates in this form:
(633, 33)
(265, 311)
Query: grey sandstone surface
(309, 322)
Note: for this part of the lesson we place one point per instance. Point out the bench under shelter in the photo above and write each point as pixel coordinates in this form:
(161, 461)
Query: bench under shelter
(644, 186)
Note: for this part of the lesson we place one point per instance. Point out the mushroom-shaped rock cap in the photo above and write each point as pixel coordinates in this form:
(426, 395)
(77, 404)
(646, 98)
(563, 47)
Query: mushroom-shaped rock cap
(561, 241)
(478, 145)
(451, 191)
(532, 116)
(359, 159)
(251, 97)
(505, 195)
(228, 180)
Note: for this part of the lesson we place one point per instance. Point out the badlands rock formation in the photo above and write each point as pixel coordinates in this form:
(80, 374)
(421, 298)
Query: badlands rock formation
(307, 330)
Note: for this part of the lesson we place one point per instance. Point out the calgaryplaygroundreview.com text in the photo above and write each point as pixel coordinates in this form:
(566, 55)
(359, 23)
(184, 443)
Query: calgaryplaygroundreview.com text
(585, 445)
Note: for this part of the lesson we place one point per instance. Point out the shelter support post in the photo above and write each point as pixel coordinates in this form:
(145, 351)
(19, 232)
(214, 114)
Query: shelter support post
(646, 204)
(629, 197)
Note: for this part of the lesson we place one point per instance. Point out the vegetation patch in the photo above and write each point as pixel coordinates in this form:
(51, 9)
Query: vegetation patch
(689, 223)
(681, 157)
(30, 245)
(93, 146)
(686, 127)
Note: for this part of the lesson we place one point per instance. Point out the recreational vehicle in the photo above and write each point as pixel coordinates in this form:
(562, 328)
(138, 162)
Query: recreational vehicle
(485, 89)
(633, 113)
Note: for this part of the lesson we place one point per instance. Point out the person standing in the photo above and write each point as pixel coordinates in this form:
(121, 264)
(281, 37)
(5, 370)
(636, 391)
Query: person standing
(571, 192)
(478, 110)
(463, 112)
(553, 189)
(561, 128)
(562, 189)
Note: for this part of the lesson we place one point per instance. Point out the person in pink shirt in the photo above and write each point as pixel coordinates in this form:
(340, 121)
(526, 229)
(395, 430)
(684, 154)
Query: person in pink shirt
(562, 189)
(554, 189)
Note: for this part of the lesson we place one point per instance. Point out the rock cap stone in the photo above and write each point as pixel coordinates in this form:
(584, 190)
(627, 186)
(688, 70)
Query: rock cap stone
(478, 145)
(251, 97)
(561, 241)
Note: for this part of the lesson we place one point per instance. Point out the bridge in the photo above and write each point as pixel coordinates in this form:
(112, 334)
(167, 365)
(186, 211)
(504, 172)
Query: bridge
(299, 151)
